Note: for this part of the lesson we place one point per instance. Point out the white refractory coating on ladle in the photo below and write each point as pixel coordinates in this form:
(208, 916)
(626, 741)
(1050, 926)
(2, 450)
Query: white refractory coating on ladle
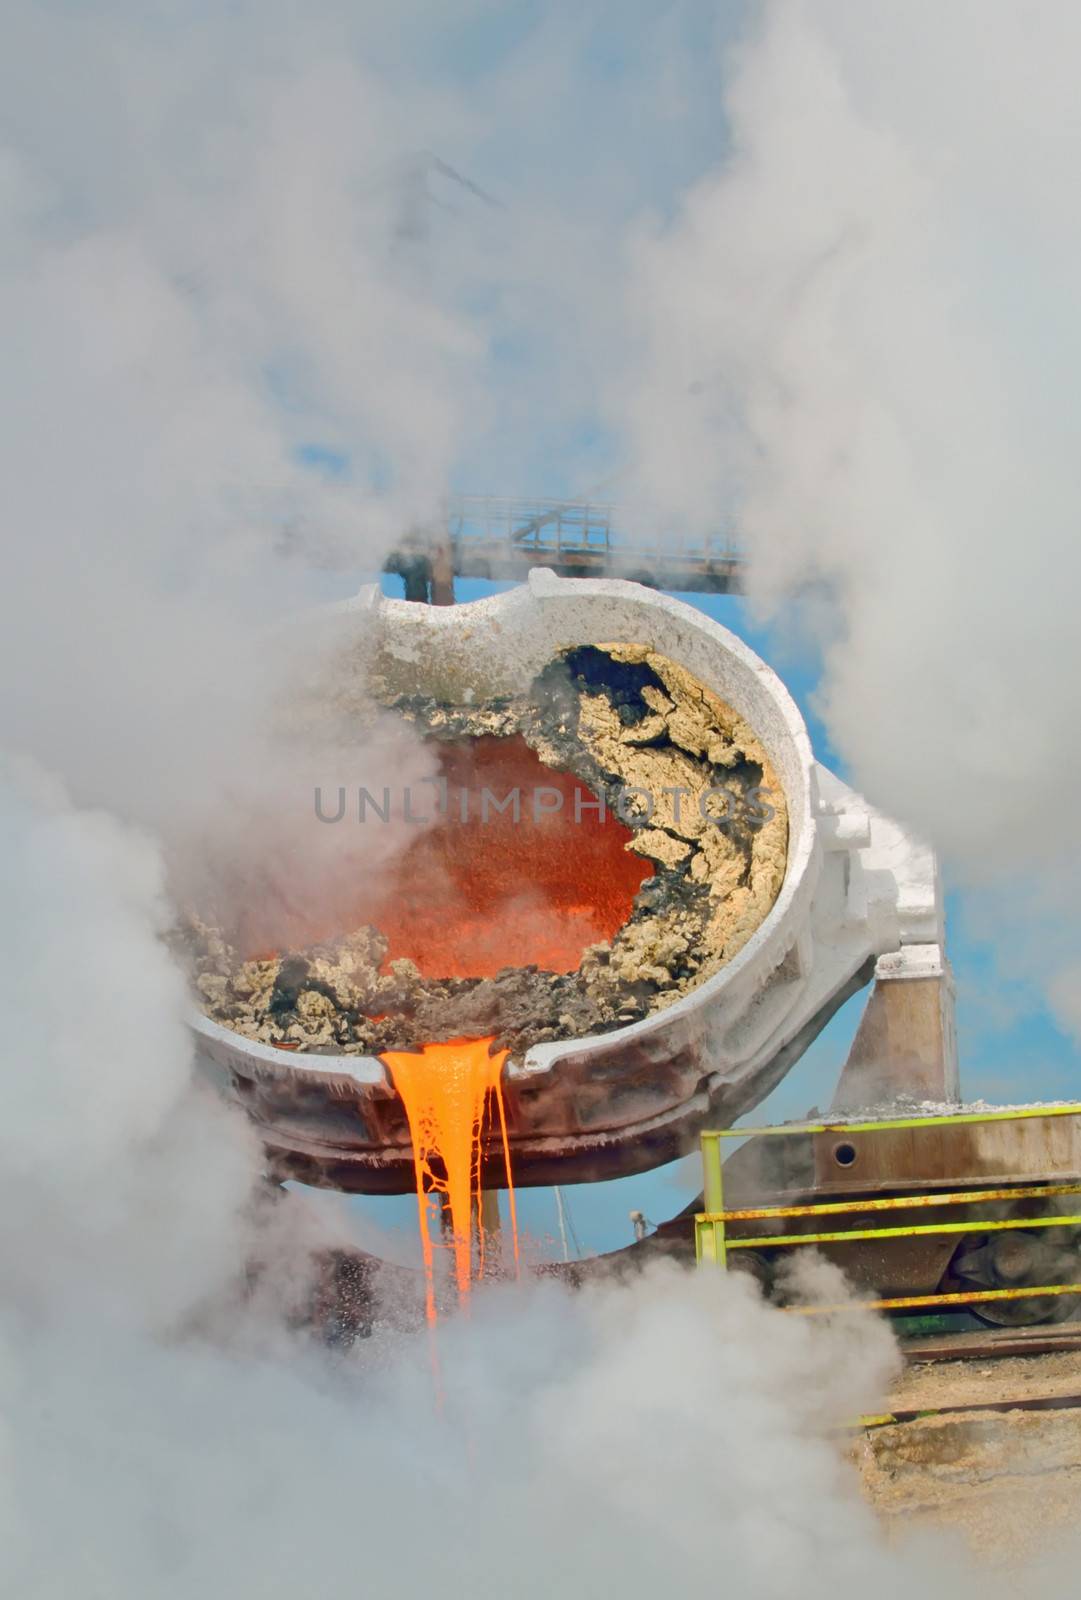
(856, 885)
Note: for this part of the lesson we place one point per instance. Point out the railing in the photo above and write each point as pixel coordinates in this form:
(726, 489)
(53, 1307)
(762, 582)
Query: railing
(713, 1242)
(572, 527)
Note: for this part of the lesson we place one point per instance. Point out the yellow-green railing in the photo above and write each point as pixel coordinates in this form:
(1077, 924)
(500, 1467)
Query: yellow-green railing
(713, 1240)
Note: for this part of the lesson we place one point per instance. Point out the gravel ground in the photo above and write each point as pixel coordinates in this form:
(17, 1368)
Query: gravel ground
(1008, 1481)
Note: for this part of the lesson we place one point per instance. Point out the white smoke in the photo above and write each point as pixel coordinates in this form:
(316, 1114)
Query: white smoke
(219, 252)
(163, 1433)
(121, 1183)
(859, 336)
(613, 1437)
(214, 255)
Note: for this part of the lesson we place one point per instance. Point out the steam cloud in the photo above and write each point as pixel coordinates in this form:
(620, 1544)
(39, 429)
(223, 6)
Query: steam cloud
(583, 1440)
(860, 338)
(211, 260)
(164, 1435)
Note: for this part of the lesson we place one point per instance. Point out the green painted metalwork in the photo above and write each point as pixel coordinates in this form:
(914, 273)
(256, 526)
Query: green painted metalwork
(777, 1241)
(902, 1202)
(712, 1242)
(966, 1297)
(944, 1119)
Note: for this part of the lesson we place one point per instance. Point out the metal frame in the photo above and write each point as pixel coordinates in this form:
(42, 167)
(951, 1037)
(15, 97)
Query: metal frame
(712, 1240)
(486, 536)
(574, 525)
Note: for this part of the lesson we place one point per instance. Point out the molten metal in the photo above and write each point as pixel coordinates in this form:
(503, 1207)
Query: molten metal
(486, 885)
(448, 1091)
(490, 890)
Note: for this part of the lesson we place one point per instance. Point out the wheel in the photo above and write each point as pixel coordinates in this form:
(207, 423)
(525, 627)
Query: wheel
(1013, 1259)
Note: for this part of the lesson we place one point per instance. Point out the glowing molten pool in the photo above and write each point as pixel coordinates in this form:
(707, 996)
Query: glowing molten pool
(491, 890)
(478, 888)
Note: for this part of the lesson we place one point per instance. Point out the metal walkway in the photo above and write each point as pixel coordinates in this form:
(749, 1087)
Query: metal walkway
(487, 537)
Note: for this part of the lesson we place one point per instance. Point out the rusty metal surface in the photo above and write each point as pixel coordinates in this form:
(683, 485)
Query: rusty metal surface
(993, 1153)
(848, 1160)
(907, 1202)
(324, 1128)
(905, 1045)
(1048, 1402)
(920, 1175)
(917, 1230)
(988, 1344)
(935, 1302)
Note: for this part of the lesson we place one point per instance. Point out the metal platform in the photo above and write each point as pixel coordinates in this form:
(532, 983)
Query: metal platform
(502, 539)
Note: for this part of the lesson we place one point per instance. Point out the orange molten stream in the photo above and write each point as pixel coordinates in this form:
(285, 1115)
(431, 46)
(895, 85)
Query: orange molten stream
(448, 1091)
(477, 889)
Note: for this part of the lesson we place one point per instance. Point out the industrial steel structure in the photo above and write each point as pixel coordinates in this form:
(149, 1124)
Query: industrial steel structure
(954, 1209)
(484, 536)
